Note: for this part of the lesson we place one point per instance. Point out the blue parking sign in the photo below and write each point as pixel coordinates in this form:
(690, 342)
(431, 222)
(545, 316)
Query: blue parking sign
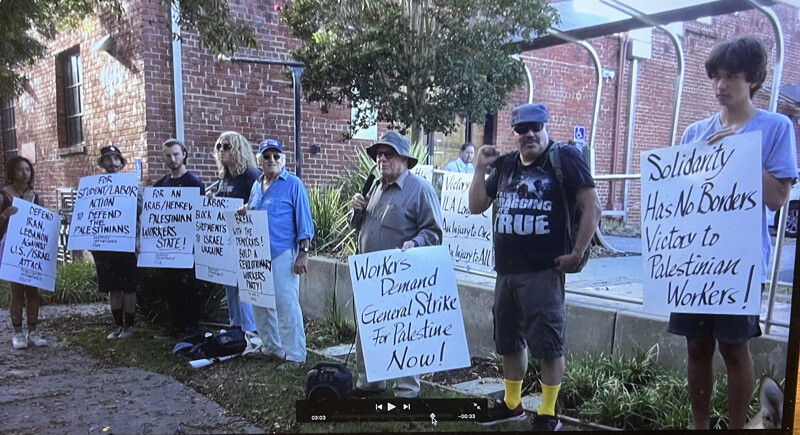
(580, 134)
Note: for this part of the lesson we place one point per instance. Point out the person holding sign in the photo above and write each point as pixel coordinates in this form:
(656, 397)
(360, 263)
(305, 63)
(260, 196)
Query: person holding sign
(184, 297)
(737, 69)
(237, 173)
(464, 161)
(117, 273)
(19, 184)
(530, 258)
(401, 211)
(291, 228)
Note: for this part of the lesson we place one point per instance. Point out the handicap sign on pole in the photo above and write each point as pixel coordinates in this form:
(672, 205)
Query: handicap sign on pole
(579, 136)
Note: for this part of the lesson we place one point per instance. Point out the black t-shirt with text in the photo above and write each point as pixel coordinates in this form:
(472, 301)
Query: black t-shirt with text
(186, 180)
(530, 227)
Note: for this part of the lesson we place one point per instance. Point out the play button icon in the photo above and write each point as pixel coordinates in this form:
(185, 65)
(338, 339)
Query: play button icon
(390, 406)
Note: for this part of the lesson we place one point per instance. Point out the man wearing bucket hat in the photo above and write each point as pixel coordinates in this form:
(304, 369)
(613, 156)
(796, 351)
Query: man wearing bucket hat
(285, 198)
(117, 273)
(402, 211)
(530, 258)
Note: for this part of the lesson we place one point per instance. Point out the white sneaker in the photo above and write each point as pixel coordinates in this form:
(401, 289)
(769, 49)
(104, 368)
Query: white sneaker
(19, 341)
(115, 333)
(127, 332)
(34, 339)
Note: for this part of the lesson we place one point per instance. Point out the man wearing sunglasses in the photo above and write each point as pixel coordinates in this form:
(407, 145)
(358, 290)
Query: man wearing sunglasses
(530, 258)
(401, 211)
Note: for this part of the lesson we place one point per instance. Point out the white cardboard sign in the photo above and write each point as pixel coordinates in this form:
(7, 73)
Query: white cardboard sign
(104, 217)
(468, 236)
(251, 235)
(31, 248)
(167, 227)
(701, 227)
(215, 256)
(423, 171)
(409, 312)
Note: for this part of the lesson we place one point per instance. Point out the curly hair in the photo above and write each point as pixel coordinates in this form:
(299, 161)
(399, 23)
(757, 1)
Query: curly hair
(11, 167)
(241, 154)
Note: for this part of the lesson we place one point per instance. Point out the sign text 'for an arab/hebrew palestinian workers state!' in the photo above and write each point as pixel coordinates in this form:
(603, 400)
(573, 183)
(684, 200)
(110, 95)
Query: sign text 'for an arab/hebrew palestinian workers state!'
(408, 312)
(168, 231)
(701, 227)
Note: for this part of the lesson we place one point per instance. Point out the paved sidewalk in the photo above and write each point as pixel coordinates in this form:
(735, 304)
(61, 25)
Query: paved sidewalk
(61, 389)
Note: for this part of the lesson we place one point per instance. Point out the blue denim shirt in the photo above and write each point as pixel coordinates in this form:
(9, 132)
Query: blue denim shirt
(288, 211)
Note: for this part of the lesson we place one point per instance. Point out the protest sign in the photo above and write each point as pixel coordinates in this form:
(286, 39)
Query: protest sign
(409, 312)
(701, 227)
(423, 171)
(31, 248)
(215, 257)
(468, 236)
(104, 216)
(167, 227)
(251, 235)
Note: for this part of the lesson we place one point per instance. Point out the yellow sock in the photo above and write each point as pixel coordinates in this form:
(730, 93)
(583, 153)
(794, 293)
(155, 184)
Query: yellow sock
(513, 393)
(549, 395)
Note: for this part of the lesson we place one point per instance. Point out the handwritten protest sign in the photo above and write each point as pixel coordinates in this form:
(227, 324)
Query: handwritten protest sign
(701, 227)
(168, 230)
(469, 236)
(31, 247)
(423, 171)
(104, 217)
(215, 257)
(409, 313)
(251, 234)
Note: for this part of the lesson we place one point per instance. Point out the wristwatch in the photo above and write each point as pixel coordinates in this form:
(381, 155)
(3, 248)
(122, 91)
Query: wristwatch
(305, 249)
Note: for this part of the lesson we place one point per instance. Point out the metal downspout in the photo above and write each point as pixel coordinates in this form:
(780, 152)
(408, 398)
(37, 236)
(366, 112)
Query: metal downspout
(678, 52)
(773, 106)
(297, 71)
(177, 72)
(634, 73)
(595, 115)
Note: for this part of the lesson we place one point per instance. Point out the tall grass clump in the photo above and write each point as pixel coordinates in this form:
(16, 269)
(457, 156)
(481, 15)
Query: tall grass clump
(330, 211)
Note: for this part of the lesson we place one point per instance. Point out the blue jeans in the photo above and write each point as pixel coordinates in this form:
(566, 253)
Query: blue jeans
(239, 313)
(281, 328)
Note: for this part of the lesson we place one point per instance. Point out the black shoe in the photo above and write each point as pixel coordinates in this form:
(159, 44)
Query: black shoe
(546, 423)
(358, 393)
(167, 333)
(500, 414)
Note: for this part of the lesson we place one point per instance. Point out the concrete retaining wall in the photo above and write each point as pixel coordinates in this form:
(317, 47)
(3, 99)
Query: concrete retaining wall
(590, 328)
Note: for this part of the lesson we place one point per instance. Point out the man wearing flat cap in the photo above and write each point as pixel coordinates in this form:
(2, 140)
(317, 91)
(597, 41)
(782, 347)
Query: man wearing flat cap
(402, 211)
(532, 254)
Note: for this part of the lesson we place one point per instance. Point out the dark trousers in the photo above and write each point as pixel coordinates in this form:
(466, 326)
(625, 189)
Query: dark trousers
(183, 296)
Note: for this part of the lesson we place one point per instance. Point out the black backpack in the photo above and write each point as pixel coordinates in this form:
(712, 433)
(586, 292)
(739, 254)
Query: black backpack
(230, 342)
(572, 210)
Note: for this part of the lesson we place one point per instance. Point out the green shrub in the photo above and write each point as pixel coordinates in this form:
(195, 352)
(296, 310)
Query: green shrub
(151, 298)
(75, 283)
(331, 212)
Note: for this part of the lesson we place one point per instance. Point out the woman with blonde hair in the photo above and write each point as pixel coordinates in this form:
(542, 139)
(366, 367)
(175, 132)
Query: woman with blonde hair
(237, 172)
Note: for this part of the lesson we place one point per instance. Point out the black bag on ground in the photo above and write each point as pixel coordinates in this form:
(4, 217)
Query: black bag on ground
(230, 342)
(328, 381)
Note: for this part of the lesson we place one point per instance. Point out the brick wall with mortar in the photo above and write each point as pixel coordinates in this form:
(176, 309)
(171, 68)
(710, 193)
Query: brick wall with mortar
(129, 97)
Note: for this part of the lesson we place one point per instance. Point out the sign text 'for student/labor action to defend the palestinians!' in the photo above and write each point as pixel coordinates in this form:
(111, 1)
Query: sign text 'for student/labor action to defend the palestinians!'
(104, 216)
(701, 227)
(31, 246)
(409, 313)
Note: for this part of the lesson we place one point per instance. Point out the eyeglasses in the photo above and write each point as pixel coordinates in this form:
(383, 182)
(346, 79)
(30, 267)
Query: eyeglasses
(224, 146)
(275, 157)
(388, 154)
(524, 128)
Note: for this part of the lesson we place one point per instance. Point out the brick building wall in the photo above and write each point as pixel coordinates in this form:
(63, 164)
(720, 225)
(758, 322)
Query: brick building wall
(128, 98)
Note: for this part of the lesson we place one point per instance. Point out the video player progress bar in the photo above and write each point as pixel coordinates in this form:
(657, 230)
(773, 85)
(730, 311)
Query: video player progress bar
(391, 409)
